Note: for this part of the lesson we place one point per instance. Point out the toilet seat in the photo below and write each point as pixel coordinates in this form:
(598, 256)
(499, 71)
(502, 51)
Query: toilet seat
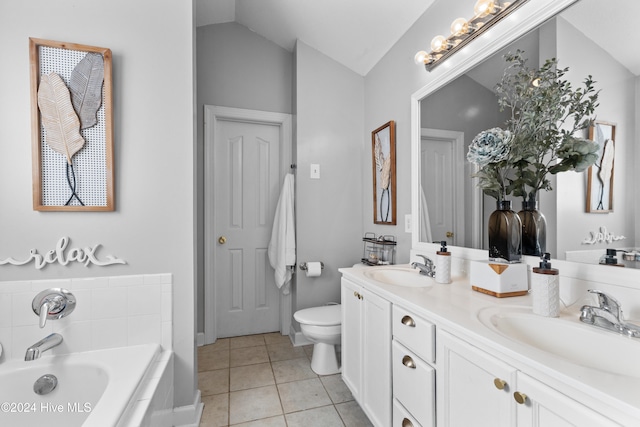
(326, 315)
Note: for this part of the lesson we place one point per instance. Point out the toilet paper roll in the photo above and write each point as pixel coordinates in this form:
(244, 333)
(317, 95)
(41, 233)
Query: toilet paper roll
(314, 269)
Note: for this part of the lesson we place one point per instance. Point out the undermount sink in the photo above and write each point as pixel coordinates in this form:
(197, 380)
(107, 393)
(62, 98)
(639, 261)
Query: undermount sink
(577, 343)
(398, 276)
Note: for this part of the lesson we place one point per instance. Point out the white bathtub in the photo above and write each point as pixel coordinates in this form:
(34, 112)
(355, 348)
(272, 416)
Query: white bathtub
(94, 388)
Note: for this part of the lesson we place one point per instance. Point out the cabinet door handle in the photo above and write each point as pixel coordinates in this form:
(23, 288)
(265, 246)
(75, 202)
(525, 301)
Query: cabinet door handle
(500, 383)
(407, 423)
(408, 362)
(521, 398)
(408, 321)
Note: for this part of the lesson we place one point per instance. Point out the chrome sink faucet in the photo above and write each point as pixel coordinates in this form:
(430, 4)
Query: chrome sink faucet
(426, 269)
(608, 315)
(47, 343)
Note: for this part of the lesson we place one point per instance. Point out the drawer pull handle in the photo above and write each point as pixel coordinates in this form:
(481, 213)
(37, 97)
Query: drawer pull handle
(408, 362)
(407, 423)
(500, 383)
(521, 398)
(408, 321)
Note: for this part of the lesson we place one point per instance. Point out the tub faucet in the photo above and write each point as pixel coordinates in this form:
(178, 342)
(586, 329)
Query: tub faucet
(426, 269)
(47, 343)
(608, 315)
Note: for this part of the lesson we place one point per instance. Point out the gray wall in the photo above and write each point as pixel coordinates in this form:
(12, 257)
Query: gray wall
(617, 104)
(388, 89)
(329, 121)
(152, 227)
(236, 68)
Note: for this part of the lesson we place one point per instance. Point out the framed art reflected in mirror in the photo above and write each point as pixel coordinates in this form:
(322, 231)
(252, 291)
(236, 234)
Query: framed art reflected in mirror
(600, 174)
(383, 148)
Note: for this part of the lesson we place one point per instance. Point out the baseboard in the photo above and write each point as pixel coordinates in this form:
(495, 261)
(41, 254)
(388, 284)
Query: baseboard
(200, 339)
(297, 338)
(189, 415)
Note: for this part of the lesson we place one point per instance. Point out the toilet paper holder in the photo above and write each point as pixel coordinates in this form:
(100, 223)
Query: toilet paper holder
(303, 266)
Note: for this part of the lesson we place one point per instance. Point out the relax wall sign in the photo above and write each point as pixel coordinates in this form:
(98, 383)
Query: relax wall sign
(62, 256)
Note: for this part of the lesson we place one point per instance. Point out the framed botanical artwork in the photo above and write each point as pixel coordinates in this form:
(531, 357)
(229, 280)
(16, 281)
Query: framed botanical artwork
(600, 174)
(383, 147)
(71, 126)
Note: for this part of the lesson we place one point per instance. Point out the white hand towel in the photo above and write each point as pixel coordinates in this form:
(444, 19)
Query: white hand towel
(282, 247)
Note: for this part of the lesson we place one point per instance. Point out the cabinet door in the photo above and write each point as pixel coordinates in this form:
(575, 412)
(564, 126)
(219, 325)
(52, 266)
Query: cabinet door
(376, 359)
(351, 295)
(474, 388)
(546, 407)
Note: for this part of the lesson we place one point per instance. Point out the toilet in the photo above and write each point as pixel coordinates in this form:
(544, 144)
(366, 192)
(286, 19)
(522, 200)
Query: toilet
(323, 326)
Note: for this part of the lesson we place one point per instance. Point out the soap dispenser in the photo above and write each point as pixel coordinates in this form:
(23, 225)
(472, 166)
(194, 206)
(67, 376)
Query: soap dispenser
(545, 287)
(611, 258)
(443, 264)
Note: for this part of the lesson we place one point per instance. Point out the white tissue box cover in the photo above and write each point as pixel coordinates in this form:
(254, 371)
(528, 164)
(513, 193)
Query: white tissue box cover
(499, 280)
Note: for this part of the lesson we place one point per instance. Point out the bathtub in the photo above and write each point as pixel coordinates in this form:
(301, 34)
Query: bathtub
(95, 388)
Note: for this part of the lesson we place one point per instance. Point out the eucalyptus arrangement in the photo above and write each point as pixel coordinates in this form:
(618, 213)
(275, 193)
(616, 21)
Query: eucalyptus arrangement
(546, 114)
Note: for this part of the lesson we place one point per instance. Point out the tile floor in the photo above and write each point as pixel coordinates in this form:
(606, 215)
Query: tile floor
(263, 380)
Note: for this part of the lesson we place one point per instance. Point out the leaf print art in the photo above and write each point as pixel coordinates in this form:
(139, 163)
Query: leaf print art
(61, 124)
(384, 174)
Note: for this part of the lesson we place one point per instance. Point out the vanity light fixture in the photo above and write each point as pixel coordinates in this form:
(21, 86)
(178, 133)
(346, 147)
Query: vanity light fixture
(485, 14)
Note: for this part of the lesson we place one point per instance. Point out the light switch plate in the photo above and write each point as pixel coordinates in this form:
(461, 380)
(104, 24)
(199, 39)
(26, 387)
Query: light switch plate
(315, 171)
(407, 223)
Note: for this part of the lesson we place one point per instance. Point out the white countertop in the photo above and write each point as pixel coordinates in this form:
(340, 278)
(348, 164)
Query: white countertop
(455, 307)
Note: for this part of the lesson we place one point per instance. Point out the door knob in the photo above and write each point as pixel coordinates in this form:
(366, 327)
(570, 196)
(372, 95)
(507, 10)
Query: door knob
(449, 234)
(222, 240)
(500, 383)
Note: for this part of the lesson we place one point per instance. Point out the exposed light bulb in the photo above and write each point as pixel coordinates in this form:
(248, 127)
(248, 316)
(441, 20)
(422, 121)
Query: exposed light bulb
(439, 43)
(483, 8)
(459, 27)
(421, 57)
(535, 82)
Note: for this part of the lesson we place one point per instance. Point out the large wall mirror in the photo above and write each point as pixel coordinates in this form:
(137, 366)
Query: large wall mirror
(455, 106)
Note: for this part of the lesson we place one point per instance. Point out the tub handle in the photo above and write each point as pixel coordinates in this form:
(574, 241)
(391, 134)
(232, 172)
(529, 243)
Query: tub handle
(54, 303)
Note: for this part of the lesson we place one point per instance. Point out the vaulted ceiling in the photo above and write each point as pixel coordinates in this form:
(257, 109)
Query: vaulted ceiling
(358, 33)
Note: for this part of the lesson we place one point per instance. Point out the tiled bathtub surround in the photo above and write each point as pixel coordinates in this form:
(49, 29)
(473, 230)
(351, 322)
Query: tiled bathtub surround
(110, 312)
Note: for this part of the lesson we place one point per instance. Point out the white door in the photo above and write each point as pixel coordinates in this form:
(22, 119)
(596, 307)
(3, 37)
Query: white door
(443, 184)
(244, 187)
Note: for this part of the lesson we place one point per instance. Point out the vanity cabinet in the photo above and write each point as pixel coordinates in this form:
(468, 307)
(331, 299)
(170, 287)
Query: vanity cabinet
(475, 388)
(413, 355)
(543, 406)
(366, 350)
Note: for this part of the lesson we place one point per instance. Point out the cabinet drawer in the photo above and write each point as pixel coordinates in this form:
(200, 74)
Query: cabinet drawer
(414, 384)
(402, 417)
(415, 333)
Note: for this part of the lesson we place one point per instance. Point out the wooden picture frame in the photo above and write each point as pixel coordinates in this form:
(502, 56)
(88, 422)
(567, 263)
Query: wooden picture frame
(600, 174)
(90, 185)
(383, 148)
